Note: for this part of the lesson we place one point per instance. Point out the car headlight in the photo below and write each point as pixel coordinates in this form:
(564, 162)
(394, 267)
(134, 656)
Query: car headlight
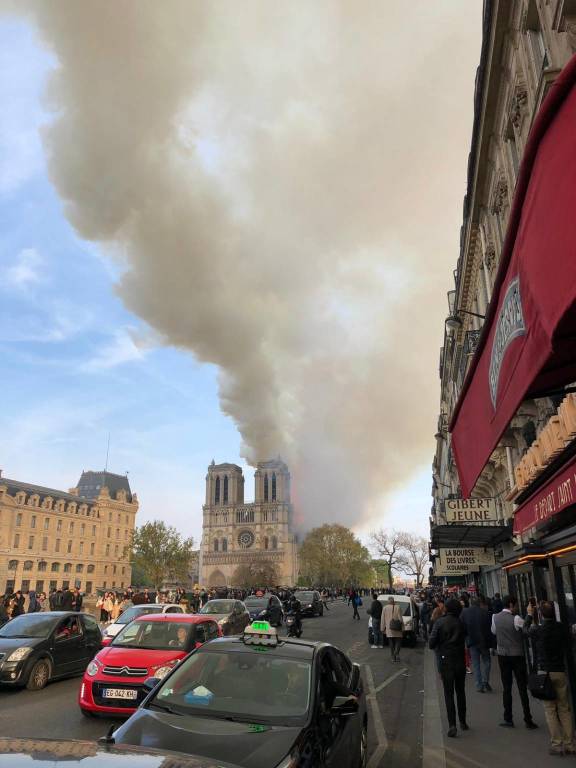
(19, 653)
(309, 606)
(92, 668)
(162, 671)
(221, 622)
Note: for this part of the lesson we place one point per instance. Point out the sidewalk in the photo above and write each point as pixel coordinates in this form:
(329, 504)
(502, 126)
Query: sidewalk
(485, 744)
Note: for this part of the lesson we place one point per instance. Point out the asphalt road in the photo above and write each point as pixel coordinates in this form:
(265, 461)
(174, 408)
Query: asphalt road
(395, 696)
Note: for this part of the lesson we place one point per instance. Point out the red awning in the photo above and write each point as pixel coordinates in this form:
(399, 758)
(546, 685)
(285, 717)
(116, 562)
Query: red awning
(553, 497)
(528, 343)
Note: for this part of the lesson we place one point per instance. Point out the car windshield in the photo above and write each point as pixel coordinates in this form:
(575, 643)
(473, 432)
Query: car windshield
(218, 606)
(29, 625)
(154, 635)
(253, 686)
(259, 602)
(137, 610)
(305, 597)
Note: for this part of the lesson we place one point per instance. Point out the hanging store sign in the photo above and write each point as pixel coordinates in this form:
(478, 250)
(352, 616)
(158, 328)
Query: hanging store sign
(461, 561)
(470, 511)
(556, 495)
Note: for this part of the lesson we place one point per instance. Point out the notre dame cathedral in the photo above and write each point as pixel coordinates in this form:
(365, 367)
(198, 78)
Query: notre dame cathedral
(235, 533)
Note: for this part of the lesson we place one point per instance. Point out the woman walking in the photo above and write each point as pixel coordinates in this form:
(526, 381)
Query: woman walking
(392, 625)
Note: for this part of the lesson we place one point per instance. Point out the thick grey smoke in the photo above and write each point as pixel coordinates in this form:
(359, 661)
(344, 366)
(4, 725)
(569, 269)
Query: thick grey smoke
(284, 181)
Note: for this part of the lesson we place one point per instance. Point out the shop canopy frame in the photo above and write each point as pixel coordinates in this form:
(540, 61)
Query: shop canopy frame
(474, 536)
(527, 344)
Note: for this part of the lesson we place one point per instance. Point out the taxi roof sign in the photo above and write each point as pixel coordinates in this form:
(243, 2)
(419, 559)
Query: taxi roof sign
(260, 633)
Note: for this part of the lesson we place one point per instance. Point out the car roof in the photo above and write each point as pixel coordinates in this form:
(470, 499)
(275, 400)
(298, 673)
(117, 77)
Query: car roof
(397, 598)
(154, 605)
(176, 618)
(287, 647)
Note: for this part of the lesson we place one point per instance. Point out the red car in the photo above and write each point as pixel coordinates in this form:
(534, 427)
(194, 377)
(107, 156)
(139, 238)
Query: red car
(147, 647)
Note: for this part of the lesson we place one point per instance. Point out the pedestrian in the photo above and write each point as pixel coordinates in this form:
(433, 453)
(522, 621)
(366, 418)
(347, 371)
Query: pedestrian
(392, 624)
(375, 612)
(33, 603)
(77, 600)
(478, 641)
(325, 599)
(497, 603)
(116, 609)
(108, 605)
(448, 640)
(508, 626)
(67, 599)
(552, 643)
(356, 603)
(18, 604)
(425, 614)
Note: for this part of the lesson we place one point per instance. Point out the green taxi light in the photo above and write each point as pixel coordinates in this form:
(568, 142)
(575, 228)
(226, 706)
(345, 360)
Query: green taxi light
(261, 626)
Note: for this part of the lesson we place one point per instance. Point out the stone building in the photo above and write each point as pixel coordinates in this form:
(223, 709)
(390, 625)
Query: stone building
(50, 538)
(236, 533)
(526, 43)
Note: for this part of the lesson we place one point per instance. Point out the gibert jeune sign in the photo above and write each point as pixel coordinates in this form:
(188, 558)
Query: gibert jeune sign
(460, 561)
(468, 511)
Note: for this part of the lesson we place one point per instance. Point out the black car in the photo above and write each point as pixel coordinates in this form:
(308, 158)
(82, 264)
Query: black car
(310, 602)
(86, 754)
(38, 647)
(266, 607)
(231, 615)
(261, 700)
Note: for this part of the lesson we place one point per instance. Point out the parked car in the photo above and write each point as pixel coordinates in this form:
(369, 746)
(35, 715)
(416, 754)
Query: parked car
(46, 753)
(408, 613)
(310, 602)
(38, 647)
(261, 701)
(266, 607)
(147, 647)
(133, 612)
(231, 615)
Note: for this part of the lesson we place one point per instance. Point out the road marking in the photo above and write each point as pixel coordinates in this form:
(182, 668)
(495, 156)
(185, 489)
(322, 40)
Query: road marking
(381, 738)
(390, 679)
(434, 753)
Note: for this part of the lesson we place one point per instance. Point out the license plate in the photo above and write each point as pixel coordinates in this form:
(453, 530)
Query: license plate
(119, 693)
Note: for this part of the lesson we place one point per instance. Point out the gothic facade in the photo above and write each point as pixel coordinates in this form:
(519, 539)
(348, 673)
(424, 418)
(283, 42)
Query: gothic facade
(236, 533)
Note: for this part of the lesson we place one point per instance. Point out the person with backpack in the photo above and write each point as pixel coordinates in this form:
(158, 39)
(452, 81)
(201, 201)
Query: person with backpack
(356, 603)
(392, 624)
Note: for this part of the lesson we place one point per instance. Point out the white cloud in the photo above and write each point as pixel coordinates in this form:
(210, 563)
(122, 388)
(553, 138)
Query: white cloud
(126, 346)
(26, 271)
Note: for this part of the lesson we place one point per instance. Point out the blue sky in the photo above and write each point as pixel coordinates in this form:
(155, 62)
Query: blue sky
(76, 366)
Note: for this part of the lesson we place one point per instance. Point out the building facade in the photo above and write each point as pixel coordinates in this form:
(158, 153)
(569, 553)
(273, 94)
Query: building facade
(50, 539)
(235, 533)
(526, 44)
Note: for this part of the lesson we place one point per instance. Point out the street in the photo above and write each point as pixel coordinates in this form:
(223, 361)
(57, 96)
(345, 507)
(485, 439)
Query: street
(395, 696)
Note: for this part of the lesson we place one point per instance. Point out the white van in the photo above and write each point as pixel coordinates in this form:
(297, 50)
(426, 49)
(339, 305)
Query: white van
(408, 613)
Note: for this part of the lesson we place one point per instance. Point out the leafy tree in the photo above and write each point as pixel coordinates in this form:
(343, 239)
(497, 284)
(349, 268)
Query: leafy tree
(256, 574)
(331, 554)
(159, 553)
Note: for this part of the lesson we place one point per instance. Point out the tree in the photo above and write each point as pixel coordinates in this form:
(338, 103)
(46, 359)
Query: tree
(414, 557)
(160, 553)
(256, 574)
(332, 555)
(389, 546)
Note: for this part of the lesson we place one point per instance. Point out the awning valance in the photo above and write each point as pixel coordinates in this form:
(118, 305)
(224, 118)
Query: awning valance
(484, 536)
(550, 499)
(528, 343)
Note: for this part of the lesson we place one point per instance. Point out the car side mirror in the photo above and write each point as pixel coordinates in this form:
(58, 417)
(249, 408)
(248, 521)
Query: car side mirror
(106, 640)
(344, 706)
(150, 683)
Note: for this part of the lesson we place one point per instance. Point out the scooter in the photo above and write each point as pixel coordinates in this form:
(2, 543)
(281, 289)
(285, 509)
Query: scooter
(293, 625)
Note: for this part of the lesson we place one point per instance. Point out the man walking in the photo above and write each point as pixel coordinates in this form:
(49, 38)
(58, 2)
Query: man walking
(552, 643)
(375, 611)
(478, 640)
(392, 624)
(508, 626)
(447, 639)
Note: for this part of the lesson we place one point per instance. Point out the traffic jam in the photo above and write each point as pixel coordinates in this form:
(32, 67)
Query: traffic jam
(236, 684)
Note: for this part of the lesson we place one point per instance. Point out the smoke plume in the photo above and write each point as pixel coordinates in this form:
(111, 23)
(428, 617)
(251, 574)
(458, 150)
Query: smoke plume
(283, 181)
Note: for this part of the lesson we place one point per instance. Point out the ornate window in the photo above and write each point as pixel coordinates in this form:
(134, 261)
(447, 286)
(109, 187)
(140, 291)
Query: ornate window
(224, 545)
(266, 542)
(28, 565)
(225, 494)
(217, 491)
(67, 567)
(79, 568)
(19, 519)
(216, 545)
(266, 487)
(246, 539)
(12, 565)
(42, 565)
(55, 567)
(274, 542)
(90, 568)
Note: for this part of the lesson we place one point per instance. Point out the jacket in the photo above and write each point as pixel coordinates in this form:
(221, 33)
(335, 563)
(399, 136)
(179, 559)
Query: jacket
(391, 611)
(448, 640)
(375, 610)
(551, 643)
(66, 604)
(478, 627)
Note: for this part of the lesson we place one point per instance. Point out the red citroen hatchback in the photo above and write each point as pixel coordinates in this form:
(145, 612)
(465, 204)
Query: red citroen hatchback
(147, 647)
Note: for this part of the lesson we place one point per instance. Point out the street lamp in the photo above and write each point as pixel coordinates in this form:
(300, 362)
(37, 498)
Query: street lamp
(454, 321)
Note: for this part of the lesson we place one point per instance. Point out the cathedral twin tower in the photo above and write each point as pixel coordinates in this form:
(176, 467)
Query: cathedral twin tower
(236, 533)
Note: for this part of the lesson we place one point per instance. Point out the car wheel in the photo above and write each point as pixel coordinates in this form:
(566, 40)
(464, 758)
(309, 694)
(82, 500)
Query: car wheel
(39, 675)
(363, 747)
(87, 713)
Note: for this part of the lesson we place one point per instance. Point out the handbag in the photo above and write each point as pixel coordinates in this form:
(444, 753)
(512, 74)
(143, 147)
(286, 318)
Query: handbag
(396, 625)
(541, 686)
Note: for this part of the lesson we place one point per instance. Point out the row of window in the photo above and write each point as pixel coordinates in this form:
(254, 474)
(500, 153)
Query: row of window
(71, 527)
(28, 565)
(26, 585)
(59, 506)
(221, 545)
(58, 542)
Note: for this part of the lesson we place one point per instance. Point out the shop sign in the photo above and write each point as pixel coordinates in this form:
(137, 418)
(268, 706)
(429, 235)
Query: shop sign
(470, 511)
(461, 561)
(558, 494)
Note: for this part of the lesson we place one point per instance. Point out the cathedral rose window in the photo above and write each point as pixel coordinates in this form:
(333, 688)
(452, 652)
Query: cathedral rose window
(246, 539)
